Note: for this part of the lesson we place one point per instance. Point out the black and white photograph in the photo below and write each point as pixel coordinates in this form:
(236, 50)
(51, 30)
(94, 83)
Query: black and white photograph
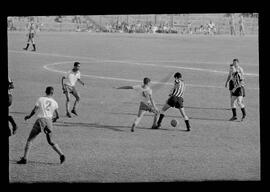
(133, 98)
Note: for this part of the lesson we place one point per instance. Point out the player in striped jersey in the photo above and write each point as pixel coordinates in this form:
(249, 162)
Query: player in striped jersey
(175, 100)
(236, 87)
(146, 101)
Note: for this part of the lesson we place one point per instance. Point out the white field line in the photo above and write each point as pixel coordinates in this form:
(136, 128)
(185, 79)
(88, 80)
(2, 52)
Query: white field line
(139, 63)
(49, 68)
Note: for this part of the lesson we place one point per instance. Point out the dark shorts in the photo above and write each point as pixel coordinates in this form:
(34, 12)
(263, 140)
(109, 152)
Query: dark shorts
(30, 35)
(176, 102)
(230, 85)
(239, 92)
(41, 124)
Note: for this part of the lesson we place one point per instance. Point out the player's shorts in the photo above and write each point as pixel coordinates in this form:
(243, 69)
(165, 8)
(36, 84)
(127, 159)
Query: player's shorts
(176, 102)
(147, 107)
(240, 91)
(231, 85)
(70, 89)
(41, 124)
(31, 35)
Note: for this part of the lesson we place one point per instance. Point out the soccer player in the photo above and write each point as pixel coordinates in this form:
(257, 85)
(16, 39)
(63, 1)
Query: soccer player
(69, 87)
(241, 25)
(231, 23)
(45, 108)
(10, 118)
(175, 100)
(31, 35)
(146, 101)
(236, 87)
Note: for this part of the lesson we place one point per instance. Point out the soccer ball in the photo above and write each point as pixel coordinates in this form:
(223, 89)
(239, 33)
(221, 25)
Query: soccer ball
(174, 123)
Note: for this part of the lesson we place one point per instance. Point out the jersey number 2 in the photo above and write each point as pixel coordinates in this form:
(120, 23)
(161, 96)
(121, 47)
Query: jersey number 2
(48, 105)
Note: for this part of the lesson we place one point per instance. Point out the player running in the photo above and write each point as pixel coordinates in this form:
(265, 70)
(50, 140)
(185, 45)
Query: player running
(10, 118)
(31, 35)
(236, 87)
(45, 108)
(175, 100)
(146, 101)
(69, 87)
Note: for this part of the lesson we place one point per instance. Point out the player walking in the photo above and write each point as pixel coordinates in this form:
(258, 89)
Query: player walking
(69, 87)
(241, 25)
(10, 118)
(31, 35)
(146, 101)
(45, 108)
(175, 100)
(236, 87)
(231, 23)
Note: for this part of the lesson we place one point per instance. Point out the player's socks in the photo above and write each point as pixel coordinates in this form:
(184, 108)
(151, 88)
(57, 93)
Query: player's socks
(68, 115)
(74, 111)
(161, 116)
(34, 47)
(243, 113)
(62, 158)
(187, 124)
(26, 46)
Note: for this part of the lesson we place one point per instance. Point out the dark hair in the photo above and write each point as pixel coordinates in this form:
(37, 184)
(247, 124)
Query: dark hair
(177, 75)
(49, 90)
(146, 80)
(76, 64)
(235, 60)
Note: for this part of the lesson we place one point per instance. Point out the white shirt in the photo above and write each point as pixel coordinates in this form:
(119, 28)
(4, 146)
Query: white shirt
(72, 77)
(46, 107)
(144, 93)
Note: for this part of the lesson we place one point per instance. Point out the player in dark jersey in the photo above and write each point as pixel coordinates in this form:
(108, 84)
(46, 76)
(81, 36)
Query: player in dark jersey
(31, 36)
(238, 93)
(175, 100)
(10, 118)
(236, 87)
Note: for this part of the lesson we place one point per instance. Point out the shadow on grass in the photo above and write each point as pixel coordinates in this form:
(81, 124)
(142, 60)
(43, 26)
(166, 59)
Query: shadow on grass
(111, 127)
(12, 161)
(89, 125)
(173, 116)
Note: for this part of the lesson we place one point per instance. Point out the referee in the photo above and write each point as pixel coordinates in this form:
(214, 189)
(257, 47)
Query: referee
(175, 100)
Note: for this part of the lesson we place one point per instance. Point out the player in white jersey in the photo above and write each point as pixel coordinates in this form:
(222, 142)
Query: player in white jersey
(45, 108)
(69, 87)
(236, 87)
(31, 35)
(146, 101)
(175, 100)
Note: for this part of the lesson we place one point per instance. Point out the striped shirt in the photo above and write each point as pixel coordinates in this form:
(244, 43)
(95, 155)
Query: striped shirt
(178, 89)
(237, 80)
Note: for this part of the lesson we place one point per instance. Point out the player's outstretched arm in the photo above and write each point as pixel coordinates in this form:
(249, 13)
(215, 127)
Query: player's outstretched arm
(31, 114)
(125, 87)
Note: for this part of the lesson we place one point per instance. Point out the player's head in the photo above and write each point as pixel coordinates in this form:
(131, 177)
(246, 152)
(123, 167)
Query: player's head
(49, 90)
(76, 65)
(146, 81)
(177, 75)
(235, 61)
